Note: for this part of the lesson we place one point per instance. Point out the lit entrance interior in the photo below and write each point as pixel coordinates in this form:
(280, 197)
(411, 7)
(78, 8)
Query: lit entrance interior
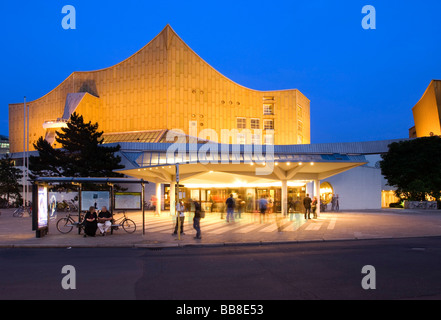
(286, 183)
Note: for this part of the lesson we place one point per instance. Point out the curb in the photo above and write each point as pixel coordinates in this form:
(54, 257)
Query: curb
(197, 245)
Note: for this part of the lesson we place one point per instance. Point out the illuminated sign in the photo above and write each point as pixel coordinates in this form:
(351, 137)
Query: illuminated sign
(42, 207)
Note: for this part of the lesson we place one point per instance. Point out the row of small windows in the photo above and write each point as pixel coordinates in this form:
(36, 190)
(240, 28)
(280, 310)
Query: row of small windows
(241, 123)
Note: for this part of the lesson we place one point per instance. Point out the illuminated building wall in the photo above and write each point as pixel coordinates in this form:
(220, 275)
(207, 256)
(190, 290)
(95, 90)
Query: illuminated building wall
(165, 85)
(427, 112)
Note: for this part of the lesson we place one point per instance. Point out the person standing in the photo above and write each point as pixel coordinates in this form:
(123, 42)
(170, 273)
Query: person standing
(231, 204)
(307, 204)
(240, 207)
(197, 219)
(333, 202)
(180, 208)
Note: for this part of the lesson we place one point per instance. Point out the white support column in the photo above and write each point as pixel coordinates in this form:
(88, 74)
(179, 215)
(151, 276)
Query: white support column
(158, 198)
(317, 194)
(284, 197)
(172, 195)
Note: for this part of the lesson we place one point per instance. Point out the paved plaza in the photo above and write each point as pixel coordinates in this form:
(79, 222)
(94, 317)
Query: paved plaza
(248, 229)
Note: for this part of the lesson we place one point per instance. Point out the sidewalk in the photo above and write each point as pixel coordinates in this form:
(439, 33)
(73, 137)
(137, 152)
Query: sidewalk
(249, 230)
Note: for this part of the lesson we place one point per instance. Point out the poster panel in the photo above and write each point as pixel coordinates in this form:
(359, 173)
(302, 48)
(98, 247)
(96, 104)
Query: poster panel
(128, 200)
(97, 199)
(42, 207)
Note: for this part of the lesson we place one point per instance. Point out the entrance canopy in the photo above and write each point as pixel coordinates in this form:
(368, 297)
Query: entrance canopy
(235, 164)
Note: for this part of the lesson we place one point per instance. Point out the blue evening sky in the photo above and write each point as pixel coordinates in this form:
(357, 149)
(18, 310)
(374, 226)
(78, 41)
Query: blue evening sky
(362, 83)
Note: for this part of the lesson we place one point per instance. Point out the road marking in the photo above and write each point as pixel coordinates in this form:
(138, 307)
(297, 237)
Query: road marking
(271, 228)
(212, 226)
(314, 226)
(249, 228)
(331, 225)
(228, 227)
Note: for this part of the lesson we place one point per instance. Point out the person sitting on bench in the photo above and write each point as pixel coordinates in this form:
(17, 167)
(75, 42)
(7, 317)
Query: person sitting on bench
(104, 221)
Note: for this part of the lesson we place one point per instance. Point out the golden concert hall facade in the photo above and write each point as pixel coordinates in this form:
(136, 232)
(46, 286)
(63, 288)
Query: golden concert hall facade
(164, 86)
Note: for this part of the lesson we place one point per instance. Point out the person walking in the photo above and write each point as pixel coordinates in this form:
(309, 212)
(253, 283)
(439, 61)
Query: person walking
(231, 204)
(180, 219)
(263, 205)
(240, 207)
(307, 204)
(197, 219)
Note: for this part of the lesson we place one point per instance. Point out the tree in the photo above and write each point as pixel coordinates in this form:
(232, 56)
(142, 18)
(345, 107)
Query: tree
(10, 176)
(81, 155)
(414, 168)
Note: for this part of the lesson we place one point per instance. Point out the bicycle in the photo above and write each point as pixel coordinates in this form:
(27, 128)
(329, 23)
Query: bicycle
(127, 224)
(19, 212)
(67, 223)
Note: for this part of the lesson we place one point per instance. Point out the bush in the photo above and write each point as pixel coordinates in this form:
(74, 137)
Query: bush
(396, 205)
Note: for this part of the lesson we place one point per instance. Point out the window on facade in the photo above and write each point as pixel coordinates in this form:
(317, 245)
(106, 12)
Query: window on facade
(241, 123)
(268, 124)
(299, 111)
(299, 126)
(269, 139)
(255, 123)
(240, 138)
(299, 139)
(268, 109)
(256, 139)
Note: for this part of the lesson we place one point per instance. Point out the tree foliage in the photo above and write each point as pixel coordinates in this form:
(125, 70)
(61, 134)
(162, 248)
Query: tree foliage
(81, 154)
(414, 168)
(10, 176)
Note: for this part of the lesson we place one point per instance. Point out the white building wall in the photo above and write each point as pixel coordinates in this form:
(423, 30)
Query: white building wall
(358, 188)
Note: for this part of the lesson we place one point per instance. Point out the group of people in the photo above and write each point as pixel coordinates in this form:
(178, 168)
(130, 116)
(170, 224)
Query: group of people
(310, 204)
(180, 208)
(93, 221)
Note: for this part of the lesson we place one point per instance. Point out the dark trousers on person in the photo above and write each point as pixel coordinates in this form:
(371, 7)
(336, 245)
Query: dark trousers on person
(197, 227)
(307, 213)
(181, 221)
(314, 212)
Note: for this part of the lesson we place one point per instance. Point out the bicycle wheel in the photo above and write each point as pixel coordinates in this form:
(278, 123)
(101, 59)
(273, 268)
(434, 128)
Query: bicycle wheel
(17, 212)
(64, 225)
(129, 226)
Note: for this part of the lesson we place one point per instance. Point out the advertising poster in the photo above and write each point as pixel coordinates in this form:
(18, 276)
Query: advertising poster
(42, 207)
(128, 200)
(97, 199)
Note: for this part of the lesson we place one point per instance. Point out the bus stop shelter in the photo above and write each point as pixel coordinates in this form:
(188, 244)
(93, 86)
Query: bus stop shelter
(40, 216)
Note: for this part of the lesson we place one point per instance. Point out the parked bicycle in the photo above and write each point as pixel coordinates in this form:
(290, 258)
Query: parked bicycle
(127, 224)
(67, 223)
(19, 212)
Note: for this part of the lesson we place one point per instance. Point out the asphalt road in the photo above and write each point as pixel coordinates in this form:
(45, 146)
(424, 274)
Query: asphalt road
(403, 269)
